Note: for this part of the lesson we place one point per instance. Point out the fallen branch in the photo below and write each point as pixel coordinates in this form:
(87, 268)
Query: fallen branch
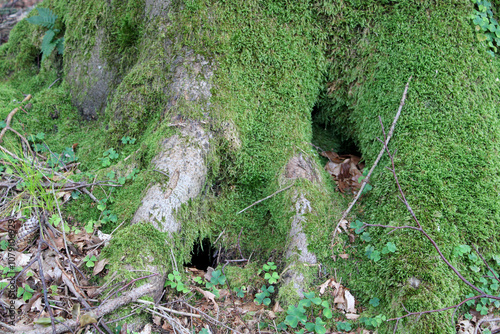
(169, 310)
(261, 200)
(365, 181)
(99, 312)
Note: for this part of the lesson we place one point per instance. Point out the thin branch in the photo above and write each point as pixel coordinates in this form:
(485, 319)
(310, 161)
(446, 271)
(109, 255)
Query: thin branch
(486, 263)
(484, 320)
(381, 153)
(147, 302)
(9, 117)
(261, 200)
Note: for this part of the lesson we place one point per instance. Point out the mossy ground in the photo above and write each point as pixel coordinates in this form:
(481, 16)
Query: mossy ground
(273, 61)
(446, 142)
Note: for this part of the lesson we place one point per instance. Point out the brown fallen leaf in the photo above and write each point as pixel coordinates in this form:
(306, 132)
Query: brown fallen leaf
(277, 308)
(209, 296)
(332, 156)
(99, 266)
(344, 256)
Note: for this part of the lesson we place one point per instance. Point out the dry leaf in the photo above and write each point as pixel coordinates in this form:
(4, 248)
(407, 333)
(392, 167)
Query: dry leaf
(156, 320)
(343, 223)
(270, 314)
(75, 311)
(332, 156)
(209, 296)
(99, 266)
(277, 308)
(350, 302)
(339, 299)
(325, 285)
(351, 316)
(344, 256)
(352, 237)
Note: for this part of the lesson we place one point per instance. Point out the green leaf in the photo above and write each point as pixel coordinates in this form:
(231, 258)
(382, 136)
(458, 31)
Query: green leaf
(45, 18)
(482, 309)
(369, 250)
(374, 302)
(461, 250)
(327, 312)
(60, 45)
(366, 236)
(474, 268)
(366, 189)
(47, 45)
(54, 220)
(357, 226)
(375, 256)
(2, 124)
(391, 246)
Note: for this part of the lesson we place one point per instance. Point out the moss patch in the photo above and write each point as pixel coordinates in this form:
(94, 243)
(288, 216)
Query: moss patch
(446, 143)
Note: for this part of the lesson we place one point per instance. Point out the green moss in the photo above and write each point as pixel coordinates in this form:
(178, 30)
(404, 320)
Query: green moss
(129, 246)
(446, 139)
(244, 276)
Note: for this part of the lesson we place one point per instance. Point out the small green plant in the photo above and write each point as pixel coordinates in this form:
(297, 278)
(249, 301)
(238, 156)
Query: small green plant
(295, 316)
(128, 140)
(108, 156)
(46, 18)
(344, 326)
(298, 315)
(89, 226)
(90, 261)
(367, 187)
(217, 278)
(240, 292)
(4, 244)
(175, 282)
(374, 302)
(263, 297)
(373, 323)
(26, 292)
(358, 226)
(270, 277)
(486, 25)
(54, 220)
(372, 254)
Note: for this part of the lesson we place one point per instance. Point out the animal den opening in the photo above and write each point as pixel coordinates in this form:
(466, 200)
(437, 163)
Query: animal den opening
(203, 255)
(341, 156)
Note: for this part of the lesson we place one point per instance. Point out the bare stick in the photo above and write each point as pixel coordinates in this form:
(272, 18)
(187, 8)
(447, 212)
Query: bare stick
(486, 263)
(9, 117)
(484, 320)
(99, 312)
(147, 302)
(209, 318)
(381, 153)
(261, 200)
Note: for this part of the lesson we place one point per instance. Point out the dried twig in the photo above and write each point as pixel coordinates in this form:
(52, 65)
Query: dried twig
(485, 320)
(147, 302)
(101, 311)
(9, 118)
(261, 200)
(365, 181)
(209, 318)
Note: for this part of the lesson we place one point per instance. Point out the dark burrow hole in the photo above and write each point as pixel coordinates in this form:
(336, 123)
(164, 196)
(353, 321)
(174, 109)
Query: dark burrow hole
(330, 134)
(203, 255)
